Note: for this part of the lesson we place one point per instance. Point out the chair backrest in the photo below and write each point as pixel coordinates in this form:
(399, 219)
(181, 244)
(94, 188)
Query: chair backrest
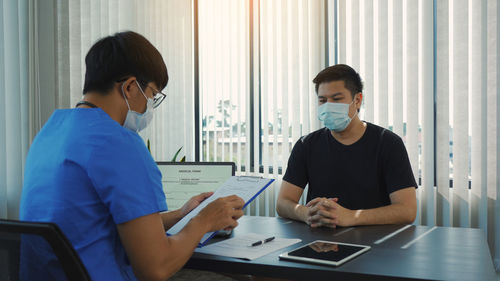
(23, 243)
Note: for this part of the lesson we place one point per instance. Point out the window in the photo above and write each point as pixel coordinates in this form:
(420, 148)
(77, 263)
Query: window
(424, 71)
(241, 73)
(257, 61)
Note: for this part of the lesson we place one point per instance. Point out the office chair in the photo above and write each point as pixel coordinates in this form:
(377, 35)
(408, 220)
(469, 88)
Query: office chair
(17, 253)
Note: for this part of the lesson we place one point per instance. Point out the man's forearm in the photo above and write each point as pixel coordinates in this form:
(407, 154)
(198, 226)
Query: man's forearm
(391, 214)
(292, 210)
(182, 245)
(170, 218)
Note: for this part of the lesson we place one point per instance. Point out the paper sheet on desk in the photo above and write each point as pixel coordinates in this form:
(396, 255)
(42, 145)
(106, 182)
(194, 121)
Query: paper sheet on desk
(245, 187)
(237, 247)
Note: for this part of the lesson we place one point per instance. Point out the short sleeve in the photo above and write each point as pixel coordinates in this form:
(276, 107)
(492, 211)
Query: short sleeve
(296, 172)
(126, 178)
(397, 170)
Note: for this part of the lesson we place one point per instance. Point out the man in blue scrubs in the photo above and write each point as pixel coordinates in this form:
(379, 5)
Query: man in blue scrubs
(89, 172)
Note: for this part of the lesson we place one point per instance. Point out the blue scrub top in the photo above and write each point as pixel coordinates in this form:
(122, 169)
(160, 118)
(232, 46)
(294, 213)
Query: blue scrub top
(87, 173)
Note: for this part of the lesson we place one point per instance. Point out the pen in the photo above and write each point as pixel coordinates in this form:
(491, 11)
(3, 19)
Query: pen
(260, 242)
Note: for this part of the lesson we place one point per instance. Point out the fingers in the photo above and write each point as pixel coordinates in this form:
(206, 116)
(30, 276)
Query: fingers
(323, 218)
(314, 201)
(231, 202)
(232, 222)
(205, 195)
(324, 212)
(317, 225)
(313, 210)
(223, 212)
(323, 207)
(202, 196)
(238, 213)
(327, 213)
(317, 219)
(325, 204)
(319, 199)
(329, 204)
(232, 225)
(234, 201)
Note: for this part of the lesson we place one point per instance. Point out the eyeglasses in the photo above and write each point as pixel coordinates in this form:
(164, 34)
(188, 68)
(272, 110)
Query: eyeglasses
(158, 97)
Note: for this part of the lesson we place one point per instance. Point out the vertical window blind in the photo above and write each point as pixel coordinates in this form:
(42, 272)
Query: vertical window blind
(291, 53)
(224, 81)
(257, 60)
(14, 115)
(168, 25)
(389, 45)
(430, 72)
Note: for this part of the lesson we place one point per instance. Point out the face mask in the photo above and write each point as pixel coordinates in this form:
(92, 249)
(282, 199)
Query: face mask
(335, 115)
(136, 121)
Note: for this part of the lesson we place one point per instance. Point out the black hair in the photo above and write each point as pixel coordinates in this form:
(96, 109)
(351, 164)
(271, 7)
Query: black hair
(340, 72)
(120, 56)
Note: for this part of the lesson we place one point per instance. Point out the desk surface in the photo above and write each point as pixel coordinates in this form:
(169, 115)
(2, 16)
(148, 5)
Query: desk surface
(398, 252)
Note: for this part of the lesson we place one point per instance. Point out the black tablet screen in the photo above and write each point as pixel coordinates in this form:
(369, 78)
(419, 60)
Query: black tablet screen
(326, 251)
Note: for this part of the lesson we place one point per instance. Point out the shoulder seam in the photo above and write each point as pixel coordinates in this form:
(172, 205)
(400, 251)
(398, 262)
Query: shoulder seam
(304, 138)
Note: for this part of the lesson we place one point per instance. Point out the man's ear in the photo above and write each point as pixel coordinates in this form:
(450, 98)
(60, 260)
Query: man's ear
(128, 87)
(359, 99)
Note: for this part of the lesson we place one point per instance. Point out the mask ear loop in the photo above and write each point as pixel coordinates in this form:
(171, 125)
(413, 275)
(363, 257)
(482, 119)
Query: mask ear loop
(123, 93)
(355, 111)
(142, 92)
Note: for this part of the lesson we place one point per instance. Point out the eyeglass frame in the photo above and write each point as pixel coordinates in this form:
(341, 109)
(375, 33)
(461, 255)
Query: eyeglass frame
(157, 100)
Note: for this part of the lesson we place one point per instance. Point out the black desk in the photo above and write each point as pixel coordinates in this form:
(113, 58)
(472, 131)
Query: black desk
(439, 253)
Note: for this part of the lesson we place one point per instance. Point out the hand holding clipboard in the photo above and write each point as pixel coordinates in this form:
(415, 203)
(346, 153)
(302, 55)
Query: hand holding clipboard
(245, 187)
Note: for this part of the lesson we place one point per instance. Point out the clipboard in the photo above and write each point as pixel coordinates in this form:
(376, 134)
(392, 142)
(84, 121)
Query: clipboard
(246, 187)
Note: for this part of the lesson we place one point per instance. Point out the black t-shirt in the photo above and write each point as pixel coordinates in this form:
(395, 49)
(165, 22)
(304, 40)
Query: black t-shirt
(361, 175)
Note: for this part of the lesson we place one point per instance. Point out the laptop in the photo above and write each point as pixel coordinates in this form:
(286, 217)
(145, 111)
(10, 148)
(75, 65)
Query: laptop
(183, 180)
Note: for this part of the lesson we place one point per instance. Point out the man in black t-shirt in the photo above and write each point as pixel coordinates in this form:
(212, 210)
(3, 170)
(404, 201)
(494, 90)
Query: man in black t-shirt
(358, 173)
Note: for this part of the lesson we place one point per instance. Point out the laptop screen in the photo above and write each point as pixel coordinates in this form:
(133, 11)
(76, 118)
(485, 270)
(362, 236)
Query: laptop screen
(183, 180)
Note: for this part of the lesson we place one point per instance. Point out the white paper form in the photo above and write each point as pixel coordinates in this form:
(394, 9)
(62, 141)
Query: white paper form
(245, 187)
(238, 247)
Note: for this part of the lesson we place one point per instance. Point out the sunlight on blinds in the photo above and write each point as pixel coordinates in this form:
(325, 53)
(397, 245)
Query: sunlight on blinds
(292, 53)
(168, 25)
(393, 51)
(288, 52)
(224, 81)
(14, 96)
(430, 76)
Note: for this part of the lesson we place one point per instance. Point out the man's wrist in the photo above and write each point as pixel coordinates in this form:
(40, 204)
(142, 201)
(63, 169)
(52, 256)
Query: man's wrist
(356, 217)
(177, 214)
(200, 223)
(302, 212)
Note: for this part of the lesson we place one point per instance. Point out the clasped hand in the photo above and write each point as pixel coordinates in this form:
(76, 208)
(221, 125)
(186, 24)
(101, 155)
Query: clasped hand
(328, 212)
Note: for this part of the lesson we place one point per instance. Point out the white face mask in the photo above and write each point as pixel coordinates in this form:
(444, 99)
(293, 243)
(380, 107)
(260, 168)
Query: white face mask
(335, 115)
(136, 121)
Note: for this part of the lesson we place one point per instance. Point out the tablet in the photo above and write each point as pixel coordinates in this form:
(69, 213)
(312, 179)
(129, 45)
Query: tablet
(325, 252)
